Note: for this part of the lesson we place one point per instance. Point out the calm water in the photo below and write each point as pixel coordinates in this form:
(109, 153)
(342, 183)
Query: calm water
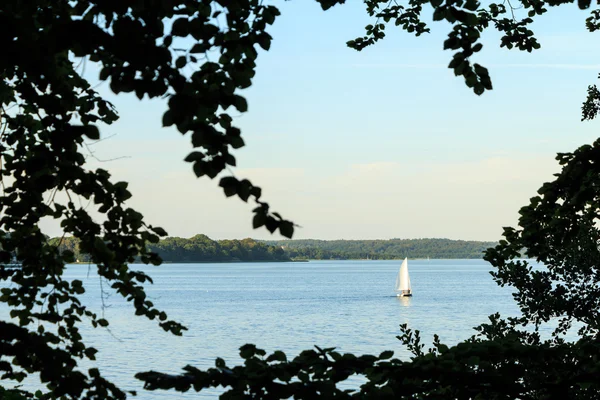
(286, 306)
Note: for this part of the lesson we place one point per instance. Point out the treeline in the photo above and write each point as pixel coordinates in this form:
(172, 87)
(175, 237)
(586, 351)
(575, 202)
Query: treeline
(199, 248)
(381, 249)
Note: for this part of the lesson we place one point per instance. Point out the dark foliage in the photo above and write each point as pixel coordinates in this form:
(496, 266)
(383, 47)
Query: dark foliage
(199, 54)
(381, 249)
(199, 248)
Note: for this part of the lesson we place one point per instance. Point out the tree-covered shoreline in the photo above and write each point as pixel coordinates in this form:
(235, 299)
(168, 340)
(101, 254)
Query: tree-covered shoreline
(390, 249)
(197, 249)
(202, 249)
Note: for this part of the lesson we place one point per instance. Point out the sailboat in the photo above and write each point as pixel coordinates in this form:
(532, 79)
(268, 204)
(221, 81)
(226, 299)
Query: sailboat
(403, 280)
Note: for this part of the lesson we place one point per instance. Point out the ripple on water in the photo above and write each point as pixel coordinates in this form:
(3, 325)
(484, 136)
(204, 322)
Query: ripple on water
(289, 307)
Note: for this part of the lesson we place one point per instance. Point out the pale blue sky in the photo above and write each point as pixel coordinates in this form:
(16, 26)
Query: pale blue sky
(375, 144)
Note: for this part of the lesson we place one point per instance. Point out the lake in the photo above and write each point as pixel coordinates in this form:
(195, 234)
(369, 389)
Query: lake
(349, 305)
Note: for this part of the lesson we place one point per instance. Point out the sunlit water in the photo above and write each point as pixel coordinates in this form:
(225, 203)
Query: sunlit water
(349, 305)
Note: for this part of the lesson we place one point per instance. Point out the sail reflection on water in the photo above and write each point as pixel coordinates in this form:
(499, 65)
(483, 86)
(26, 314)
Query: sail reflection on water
(405, 301)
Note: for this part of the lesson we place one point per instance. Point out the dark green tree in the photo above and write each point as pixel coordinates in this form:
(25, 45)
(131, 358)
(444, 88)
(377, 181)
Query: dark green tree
(48, 111)
(391, 249)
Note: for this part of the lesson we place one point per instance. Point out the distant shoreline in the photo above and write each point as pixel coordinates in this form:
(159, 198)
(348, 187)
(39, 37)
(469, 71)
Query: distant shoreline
(289, 261)
(201, 249)
(214, 262)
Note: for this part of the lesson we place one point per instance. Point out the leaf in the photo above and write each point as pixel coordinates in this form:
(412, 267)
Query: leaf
(584, 4)
(230, 185)
(197, 48)
(181, 62)
(386, 354)
(247, 351)
(271, 224)
(277, 356)
(439, 14)
(264, 41)
(181, 27)
(478, 89)
(259, 220)
(167, 119)
(256, 192)
(159, 231)
(286, 228)
(194, 156)
(451, 43)
(244, 190)
(199, 169)
(236, 142)
(104, 74)
(92, 132)
(240, 103)
(225, 121)
(90, 353)
(230, 159)
(228, 180)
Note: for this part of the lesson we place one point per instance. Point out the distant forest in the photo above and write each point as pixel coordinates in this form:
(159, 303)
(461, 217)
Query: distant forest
(201, 248)
(381, 249)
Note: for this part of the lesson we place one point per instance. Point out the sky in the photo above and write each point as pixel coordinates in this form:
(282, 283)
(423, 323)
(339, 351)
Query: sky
(383, 143)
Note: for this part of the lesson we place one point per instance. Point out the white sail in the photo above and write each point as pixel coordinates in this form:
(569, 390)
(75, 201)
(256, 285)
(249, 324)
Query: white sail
(403, 280)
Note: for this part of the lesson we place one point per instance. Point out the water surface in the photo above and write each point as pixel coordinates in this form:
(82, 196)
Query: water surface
(349, 305)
